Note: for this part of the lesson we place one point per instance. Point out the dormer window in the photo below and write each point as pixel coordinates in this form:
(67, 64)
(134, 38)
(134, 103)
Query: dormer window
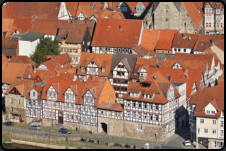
(213, 112)
(103, 70)
(82, 69)
(208, 112)
(72, 97)
(33, 93)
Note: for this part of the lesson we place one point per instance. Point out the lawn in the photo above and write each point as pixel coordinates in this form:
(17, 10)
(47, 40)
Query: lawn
(6, 137)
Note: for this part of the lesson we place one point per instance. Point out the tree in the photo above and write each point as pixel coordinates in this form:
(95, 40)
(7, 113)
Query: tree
(45, 47)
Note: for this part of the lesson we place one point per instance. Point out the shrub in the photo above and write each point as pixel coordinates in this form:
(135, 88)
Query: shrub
(79, 147)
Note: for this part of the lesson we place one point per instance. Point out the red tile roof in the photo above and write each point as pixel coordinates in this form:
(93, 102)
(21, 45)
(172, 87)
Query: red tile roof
(200, 7)
(85, 8)
(201, 57)
(7, 25)
(12, 9)
(22, 59)
(159, 85)
(146, 63)
(4, 58)
(205, 41)
(4, 12)
(12, 70)
(111, 106)
(50, 27)
(22, 24)
(195, 16)
(150, 39)
(187, 42)
(44, 75)
(23, 86)
(140, 50)
(72, 7)
(8, 43)
(101, 60)
(65, 76)
(165, 40)
(108, 33)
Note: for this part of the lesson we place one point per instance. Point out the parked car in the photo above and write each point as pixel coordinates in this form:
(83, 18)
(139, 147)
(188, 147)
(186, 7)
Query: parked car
(187, 143)
(35, 127)
(65, 131)
(8, 123)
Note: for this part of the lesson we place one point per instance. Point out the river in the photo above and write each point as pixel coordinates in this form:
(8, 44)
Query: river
(20, 146)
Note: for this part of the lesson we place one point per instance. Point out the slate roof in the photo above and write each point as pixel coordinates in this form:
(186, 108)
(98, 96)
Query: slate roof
(108, 33)
(129, 61)
(12, 70)
(29, 36)
(101, 60)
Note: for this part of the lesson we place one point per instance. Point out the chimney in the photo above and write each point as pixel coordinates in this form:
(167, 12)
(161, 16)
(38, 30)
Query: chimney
(154, 77)
(184, 35)
(212, 41)
(164, 59)
(189, 38)
(120, 27)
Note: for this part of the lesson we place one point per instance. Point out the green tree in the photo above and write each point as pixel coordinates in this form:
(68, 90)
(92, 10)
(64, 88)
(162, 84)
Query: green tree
(45, 47)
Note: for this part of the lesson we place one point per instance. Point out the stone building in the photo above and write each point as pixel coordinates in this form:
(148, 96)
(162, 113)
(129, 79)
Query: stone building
(181, 16)
(15, 101)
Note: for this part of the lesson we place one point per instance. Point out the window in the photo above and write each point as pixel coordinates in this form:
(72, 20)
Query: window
(156, 107)
(110, 113)
(134, 115)
(128, 104)
(139, 105)
(108, 96)
(209, 24)
(67, 116)
(118, 73)
(33, 93)
(178, 49)
(139, 127)
(222, 123)
(76, 117)
(162, 51)
(58, 104)
(222, 132)
(72, 97)
(202, 121)
(214, 131)
(157, 118)
(82, 68)
(221, 25)
(205, 130)
(62, 105)
(157, 51)
(217, 25)
(67, 105)
(139, 115)
(184, 50)
(208, 112)
(150, 106)
(53, 114)
(145, 117)
(145, 106)
(212, 112)
(54, 104)
(151, 117)
(214, 122)
(134, 104)
(128, 114)
(198, 130)
(112, 95)
(72, 117)
(118, 113)
(168, 52)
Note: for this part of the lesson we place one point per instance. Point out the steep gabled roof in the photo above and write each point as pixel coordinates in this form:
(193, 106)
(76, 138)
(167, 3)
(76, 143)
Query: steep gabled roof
(101, 60)
(85, 8)
(150, 39)
(130, 62)
(72, 7)
(22, 24)
(7, 25)
(4, 58)
(117, 33)
(220, 45)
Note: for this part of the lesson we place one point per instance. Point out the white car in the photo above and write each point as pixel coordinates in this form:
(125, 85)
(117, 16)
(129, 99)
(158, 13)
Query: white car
(35, 127)
(187, 143)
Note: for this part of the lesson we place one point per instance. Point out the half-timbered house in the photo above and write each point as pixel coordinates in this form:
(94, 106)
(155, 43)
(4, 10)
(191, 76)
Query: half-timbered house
(209, 72)
(141, 68)
(120, 74)
(34, 104)
(116, 35)
(74, 37)
(94, 64)
(153, 101)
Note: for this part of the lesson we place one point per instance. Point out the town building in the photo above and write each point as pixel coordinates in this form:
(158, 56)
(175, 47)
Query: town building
(207, 117)
(164, 44)
(10, 47)
(214, 18)
(154, 101)
(84, 10)
(122, 67)
(181, 16)
(23, 59)
(141, 68)
(15, 98)
(206, 41)
(56, 62)
(34, 104)
(116, 35)
(7, 26)
(74, 38)
(208, 80)
(184, 43)
(94, 64)
(28, 42)
(4, 58)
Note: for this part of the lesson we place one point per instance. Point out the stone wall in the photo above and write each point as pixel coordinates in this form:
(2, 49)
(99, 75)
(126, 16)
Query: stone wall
(29, 120)
(89, 127)
(18, 106)
(48, 122)
(114, 126)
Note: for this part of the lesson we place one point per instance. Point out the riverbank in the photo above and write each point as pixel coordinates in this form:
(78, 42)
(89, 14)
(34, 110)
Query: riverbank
(19, 146)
